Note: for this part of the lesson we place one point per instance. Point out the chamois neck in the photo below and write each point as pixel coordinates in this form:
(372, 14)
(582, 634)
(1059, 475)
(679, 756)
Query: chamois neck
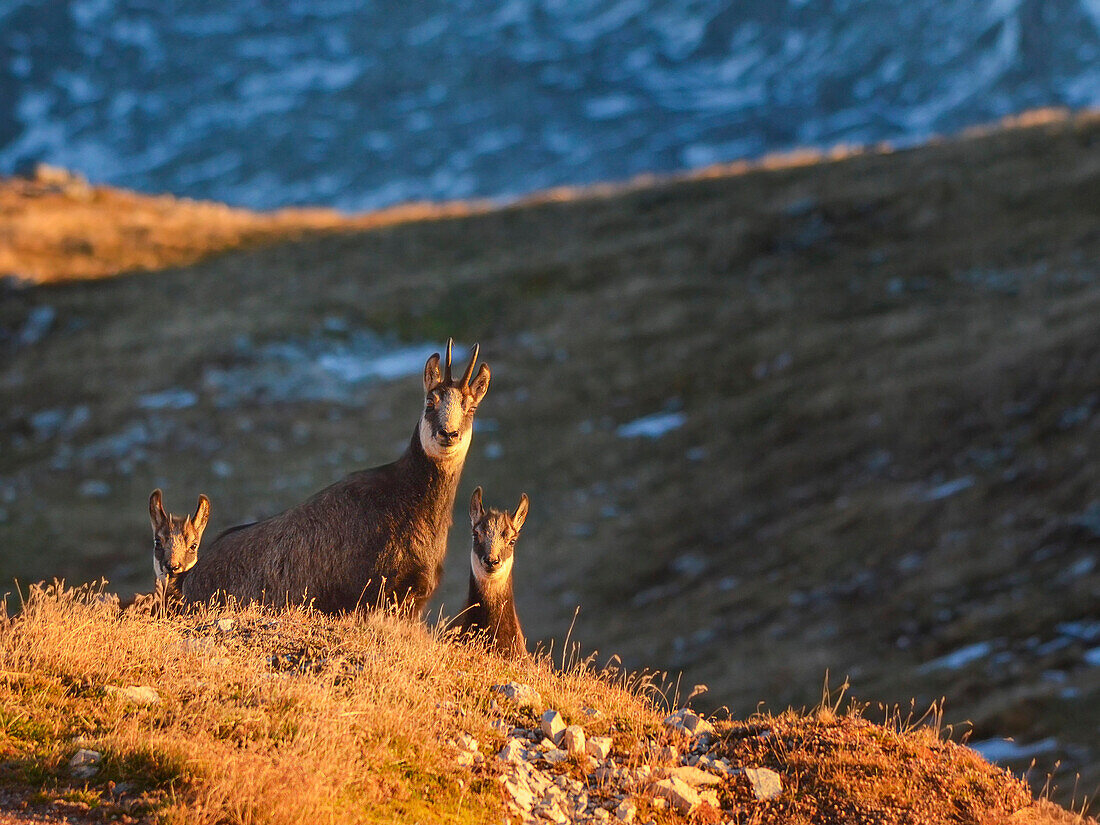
(492, 595)
(436, 479)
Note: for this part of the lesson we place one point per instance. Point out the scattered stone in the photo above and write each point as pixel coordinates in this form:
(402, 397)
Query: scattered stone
(689, 722)
(710, 796)
(668, 753)
(573, 739)
(555, 755)
(553, 726)
(678, 793)
(599, 747)
(465, 742)
(522, 695)
(224, 626)
(136, 694)
(626, 810)
(766, 783)
(466, 759)
(513, 752)
(694, 776)
(84, 763)
(521, 795)
(602, 814)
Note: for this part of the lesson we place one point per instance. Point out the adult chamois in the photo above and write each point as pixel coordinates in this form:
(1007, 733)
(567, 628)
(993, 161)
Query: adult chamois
(376, 537)
(490, 603)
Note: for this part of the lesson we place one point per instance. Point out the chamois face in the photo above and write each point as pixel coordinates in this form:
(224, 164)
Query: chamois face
(176, 538)
(495, 535)
(449, 407)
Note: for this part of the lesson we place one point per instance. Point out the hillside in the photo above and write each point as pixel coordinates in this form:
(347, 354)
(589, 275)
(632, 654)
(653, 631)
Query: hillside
(824, 413)
(286, 717)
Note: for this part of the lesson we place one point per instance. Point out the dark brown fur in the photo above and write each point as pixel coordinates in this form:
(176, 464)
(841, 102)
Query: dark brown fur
(378, 536)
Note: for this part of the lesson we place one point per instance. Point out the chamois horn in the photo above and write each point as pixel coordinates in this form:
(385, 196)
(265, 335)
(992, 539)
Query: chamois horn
(447, 368)
(470, 367)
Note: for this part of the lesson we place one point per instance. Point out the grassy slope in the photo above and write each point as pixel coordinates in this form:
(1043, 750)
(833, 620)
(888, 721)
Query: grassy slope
(843, 338)
(60, 228)
(291, 717)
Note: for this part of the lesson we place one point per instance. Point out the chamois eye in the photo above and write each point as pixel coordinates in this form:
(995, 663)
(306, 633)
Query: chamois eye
(195, 546)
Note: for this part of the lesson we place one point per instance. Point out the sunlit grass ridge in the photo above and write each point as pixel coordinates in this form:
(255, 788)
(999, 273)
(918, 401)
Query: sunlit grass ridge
(291, 716)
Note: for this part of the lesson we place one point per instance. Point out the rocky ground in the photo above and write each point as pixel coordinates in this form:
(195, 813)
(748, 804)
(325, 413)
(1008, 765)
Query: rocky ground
(824, 414)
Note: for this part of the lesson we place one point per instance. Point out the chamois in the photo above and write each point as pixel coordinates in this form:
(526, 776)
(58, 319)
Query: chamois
(175, 551)
(490, 605)
(176, 539)
(376, 537)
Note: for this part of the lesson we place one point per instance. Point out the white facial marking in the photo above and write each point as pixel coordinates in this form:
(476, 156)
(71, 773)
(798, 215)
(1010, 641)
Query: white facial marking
(436, 450)
(159, 571)
(484, 577)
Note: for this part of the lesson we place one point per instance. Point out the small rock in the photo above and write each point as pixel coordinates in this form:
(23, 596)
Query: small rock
(555, 756)
(689, 722)
(520, 795)
(553, 726)
(137, 694)
(626, 810)
(522, 695)
(710, 796)
(84, 763)
(224, 626)
(603, 814)
(465, 742)
(668, 753)
(599, 746)
(766, 783)
(552, 813)
(513, 752)
(678, 793)
(466, 759)
(694, 776)
(573, 739)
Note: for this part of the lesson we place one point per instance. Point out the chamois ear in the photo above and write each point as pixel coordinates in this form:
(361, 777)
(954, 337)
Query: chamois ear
(520, 515)
(157, 516)
(480, 385)
(476, 510)
(432, 375)
(202, 515)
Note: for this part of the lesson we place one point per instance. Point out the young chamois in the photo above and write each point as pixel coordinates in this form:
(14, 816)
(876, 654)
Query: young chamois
(176, 538)
(490, 605)
(376, 537)
(175, 546)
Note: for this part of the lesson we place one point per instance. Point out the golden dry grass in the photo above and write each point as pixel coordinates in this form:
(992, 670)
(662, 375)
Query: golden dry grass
(293, 717)
(289, 717)
(71, 231)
